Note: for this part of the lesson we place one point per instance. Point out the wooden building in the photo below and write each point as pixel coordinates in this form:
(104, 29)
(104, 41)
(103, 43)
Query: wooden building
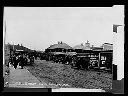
(60, 52)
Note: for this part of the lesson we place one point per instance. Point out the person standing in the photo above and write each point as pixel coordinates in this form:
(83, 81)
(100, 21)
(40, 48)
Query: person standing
(86, 63)
(31, 59)
(26, 60)
(78, 63)
(11, 60)
(21, 61)
(15, 60)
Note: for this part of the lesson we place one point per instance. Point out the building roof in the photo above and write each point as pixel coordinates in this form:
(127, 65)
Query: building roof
(96, 48)
(18, 47)
(60, 45)
(108, 44)
(78, 47)
(82, 47)
(107, 47)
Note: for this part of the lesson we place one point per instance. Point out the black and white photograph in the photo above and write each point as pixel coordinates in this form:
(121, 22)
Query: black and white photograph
(69, 48)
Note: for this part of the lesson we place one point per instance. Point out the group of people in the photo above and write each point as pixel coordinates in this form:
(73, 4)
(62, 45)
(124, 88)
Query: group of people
(20, 59)
(73, 60)
(82, 63)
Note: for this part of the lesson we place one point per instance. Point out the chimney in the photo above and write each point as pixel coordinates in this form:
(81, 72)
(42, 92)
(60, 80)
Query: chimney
(87, 41)
(82, 44)
(101, 46)
(87, 44)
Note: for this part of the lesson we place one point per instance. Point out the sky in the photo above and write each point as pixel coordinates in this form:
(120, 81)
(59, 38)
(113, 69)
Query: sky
(39, 27)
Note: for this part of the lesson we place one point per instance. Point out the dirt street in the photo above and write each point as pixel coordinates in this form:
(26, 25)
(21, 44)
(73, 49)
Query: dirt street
(64, 76)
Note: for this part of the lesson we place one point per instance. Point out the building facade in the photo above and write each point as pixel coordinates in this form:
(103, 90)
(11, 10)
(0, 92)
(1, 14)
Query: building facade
(107, 46)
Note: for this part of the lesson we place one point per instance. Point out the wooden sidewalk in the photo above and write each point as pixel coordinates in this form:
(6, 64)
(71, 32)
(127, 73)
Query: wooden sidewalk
(22, 78)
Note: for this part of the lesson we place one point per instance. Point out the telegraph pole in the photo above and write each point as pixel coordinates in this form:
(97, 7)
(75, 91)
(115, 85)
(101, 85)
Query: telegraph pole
(4, 47)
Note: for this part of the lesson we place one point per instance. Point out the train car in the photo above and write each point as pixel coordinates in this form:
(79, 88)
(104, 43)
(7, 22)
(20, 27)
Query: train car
(105, 62)
(43, 56)
(97, 60)
(82, 61)
(87, 59)
(58, 57)
(70, 57)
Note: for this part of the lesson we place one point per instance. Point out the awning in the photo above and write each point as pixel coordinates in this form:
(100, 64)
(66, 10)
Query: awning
(71, 53)
(57, 53)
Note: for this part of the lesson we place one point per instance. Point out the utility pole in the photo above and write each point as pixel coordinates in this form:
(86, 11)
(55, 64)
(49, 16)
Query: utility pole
(99, 60)
(4, 42)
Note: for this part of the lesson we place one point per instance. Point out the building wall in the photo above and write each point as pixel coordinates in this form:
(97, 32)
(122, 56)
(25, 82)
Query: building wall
(6, 50)
(107, 47)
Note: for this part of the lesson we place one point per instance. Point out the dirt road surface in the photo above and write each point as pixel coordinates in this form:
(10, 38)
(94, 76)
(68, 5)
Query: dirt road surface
(66, 77)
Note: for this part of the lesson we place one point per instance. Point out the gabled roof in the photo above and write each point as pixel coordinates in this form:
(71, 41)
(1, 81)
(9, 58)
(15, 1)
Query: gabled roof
(18, 47)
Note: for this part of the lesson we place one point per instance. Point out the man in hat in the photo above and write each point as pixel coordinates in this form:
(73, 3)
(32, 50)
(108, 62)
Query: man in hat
(11, 60)
(15, 61)
(86, 63)
(21, 61)
(31, 59)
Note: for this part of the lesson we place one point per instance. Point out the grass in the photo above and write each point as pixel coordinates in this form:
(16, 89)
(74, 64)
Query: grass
(64, 74)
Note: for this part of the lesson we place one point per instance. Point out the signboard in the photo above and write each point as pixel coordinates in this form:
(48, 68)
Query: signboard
(98, 59)
(94, 58)
(106, 60)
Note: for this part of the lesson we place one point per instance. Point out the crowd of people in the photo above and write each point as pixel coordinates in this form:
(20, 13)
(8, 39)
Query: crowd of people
(21, 60)
(74, 61)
